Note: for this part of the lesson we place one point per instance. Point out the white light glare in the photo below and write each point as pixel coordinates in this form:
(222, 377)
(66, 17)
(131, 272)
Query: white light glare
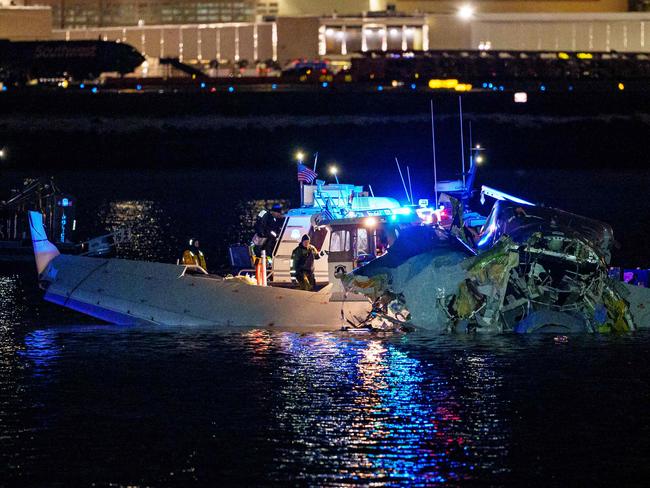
(466, 11)
(521, 97)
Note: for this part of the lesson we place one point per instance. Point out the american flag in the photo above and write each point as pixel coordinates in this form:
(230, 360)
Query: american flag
(305, 174)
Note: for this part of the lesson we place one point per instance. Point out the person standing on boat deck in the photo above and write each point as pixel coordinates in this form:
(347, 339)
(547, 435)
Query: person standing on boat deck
(302, 263)
(267, 228)
(194, 256)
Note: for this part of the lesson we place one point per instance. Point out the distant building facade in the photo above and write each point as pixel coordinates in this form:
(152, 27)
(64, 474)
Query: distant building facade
(71, 14)
(74, 14)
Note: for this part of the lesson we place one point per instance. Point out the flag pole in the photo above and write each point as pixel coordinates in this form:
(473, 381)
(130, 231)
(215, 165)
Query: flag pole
(302, 184)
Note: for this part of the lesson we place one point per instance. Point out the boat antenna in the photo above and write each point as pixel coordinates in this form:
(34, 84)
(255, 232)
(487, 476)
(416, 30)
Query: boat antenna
(315, 161)
(372, 193)
(408, 172)
(462, 144)
(402, 178)
(433, 149)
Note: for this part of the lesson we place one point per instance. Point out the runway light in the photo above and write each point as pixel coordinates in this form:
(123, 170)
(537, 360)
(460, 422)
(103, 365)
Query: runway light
(213, 89)
(202, 85)
(325, 84)
(621, 86)
(274, 86)
(542, 88)
(521, 97)
(231, 89)
(466, 12)
(138, 87)
(94, 90)
(413, 87)
(82, 86)
(380, 88)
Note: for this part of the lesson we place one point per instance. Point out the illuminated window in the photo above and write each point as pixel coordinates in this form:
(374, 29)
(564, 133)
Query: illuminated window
(340, 241)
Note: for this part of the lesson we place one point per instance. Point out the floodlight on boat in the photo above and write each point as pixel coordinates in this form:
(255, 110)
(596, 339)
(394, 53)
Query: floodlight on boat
(370, 222)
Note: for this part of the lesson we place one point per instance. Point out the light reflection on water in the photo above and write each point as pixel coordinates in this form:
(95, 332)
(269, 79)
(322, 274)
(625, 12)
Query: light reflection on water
(392, 420)
(151, 228)
(179, 406)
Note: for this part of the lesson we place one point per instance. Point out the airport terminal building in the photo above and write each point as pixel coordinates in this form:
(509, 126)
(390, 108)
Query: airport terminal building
(230, 31)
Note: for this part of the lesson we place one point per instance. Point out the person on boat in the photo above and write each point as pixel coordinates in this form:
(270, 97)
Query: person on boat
(267, 229)
(193, 255)
(302, 263)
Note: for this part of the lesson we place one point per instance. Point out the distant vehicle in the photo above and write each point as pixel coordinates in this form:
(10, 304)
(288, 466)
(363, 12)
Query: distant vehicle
(304, 70)
(23, 61)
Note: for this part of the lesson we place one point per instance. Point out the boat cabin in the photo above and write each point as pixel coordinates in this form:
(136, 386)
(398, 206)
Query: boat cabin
(343, 220)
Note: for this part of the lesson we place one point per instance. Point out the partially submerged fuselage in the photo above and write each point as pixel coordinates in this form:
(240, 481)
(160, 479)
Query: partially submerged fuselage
(130, 292)
(535, 269)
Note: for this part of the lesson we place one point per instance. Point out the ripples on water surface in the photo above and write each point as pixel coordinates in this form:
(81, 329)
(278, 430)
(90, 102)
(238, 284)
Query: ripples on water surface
(83, 404)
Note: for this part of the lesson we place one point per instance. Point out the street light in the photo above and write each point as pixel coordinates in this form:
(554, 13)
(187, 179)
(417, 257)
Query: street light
(334, 172)
(3, 153)
(300, 156)
(466, 12)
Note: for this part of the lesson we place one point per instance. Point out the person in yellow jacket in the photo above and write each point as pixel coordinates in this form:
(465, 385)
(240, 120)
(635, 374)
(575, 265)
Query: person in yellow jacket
(193, 255)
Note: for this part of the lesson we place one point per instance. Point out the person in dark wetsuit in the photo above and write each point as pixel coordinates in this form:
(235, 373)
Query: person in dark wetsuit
(267, 229)
(302, 263)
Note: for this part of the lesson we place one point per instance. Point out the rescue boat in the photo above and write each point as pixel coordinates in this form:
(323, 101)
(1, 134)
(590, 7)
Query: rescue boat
(343, 221)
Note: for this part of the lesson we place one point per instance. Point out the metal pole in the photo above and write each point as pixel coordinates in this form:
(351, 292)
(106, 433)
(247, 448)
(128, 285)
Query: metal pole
(433, 149)
(372, 193)
(315, 161)
(471, 148)
(408, 172)
(402, 178)
(264, 278)
(462, 143)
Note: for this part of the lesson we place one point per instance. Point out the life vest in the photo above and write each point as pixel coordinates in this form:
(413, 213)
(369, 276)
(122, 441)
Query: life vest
(195, 258)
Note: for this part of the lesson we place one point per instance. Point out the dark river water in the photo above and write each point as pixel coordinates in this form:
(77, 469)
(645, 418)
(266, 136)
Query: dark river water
(87, 404)
(100, 405)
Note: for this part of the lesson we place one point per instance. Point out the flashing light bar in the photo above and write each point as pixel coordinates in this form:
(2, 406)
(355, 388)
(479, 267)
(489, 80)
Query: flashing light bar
(499, 195)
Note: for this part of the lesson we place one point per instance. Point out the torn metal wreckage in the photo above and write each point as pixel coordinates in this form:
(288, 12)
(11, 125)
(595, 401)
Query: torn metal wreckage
(529, 269)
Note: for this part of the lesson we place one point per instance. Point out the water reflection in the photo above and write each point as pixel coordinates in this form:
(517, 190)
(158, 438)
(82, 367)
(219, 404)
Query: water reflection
(366, 411)
(41, 350)
(152, 228)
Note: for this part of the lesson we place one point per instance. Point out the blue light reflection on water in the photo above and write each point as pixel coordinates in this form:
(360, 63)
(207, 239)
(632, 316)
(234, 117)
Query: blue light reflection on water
(390, 419)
